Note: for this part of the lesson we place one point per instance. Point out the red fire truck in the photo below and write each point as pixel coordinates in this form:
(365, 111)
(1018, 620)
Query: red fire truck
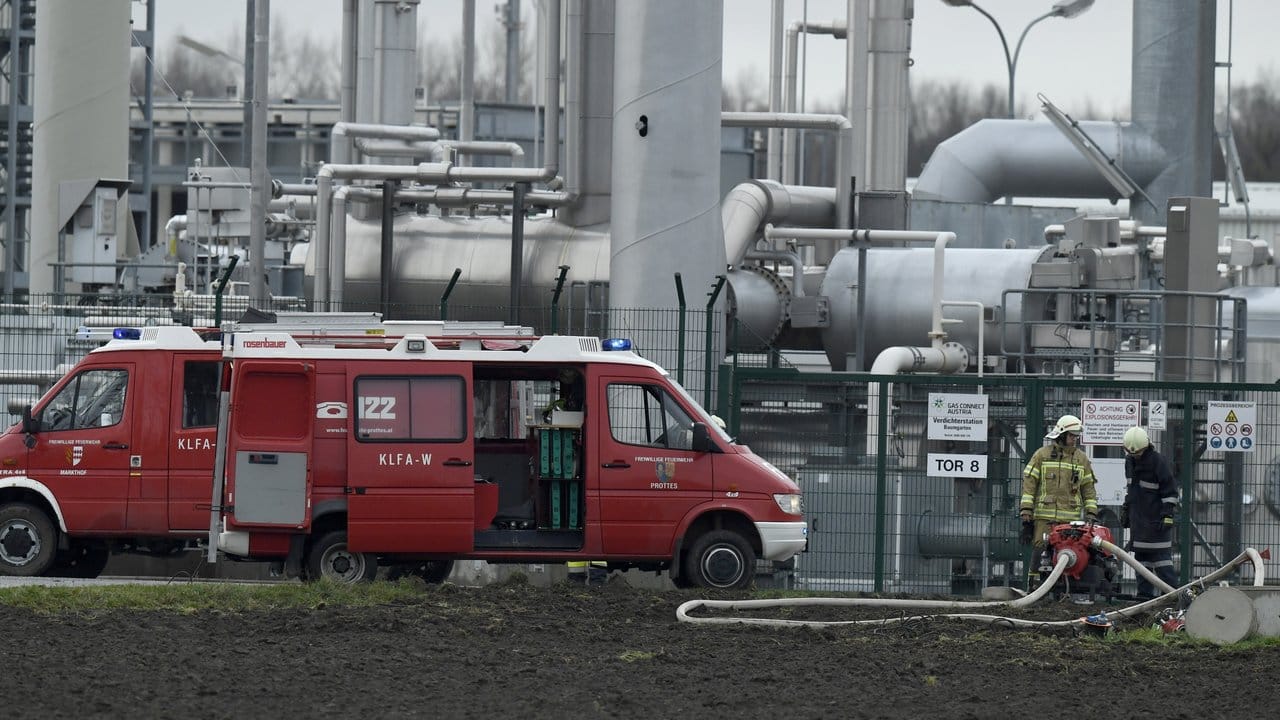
(339, 453)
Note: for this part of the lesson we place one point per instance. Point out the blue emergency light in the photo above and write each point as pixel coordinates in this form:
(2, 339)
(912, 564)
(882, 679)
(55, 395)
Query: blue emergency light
(127, 334)
(617, 344)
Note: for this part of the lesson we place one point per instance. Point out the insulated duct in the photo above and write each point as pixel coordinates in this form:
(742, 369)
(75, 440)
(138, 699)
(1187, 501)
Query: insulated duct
(1030, 158)
(1166, 149)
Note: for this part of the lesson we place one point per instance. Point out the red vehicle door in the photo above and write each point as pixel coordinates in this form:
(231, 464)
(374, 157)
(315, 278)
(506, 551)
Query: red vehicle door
(649, 476)
(410, 474)
(269, 452)
(193, 429)
(85, 446)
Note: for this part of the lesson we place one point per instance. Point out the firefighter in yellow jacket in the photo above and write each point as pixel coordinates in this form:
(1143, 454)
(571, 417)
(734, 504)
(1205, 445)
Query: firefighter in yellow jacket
(1057, 484)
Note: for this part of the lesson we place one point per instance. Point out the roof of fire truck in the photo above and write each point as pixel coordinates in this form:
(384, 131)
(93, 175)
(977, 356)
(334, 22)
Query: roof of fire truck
(365, 336)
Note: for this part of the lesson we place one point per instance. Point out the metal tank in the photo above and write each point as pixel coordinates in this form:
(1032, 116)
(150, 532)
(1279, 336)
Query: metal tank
(898, 299)
(666, 161)
(80, 128)
(427, 250)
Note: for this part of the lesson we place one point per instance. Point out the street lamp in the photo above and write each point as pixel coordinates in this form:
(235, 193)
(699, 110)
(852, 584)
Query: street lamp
(1062, 8)
(208, 50)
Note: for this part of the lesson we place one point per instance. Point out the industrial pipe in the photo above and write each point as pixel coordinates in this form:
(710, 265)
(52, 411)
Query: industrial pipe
(835, 29)
(750, 205)
(844, 145)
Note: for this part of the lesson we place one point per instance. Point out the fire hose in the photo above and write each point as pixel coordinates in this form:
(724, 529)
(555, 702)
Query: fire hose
(1064, 561)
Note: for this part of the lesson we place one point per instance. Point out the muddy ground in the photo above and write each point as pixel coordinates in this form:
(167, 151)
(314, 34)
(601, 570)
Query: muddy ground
(519, 651)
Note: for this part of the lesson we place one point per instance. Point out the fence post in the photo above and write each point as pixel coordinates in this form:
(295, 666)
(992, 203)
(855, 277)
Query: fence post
(680, 336)
(222, 285)
(444, 299)
(706, 380)
(882, 447)
(1185, 539)
(555, 300)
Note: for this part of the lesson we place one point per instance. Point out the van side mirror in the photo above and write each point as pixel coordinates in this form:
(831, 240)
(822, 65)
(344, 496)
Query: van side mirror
(29, 424)
(702, 439)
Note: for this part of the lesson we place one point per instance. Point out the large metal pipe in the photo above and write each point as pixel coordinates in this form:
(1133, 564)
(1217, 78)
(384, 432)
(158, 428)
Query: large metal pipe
(467, 111)
(258, 177)
(395, 60)
(342, 134)
(887, 120)
(589, 129)
(80, 116)
(1172, 96)
(666, 163)
(749, 206)
(789, 149)
(347, 93)
(995, 158)
(856, 92)
(773, 162)
(839, 123)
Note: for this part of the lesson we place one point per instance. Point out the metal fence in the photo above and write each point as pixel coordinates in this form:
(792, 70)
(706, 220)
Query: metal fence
(883, 519)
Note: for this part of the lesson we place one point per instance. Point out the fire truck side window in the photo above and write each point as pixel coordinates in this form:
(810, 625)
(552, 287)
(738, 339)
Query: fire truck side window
(404, 409)
(199, 394)
(647, 415)
(94, 398)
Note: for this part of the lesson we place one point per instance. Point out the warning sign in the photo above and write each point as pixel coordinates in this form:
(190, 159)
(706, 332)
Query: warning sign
(1230, 426)
(1105, 420)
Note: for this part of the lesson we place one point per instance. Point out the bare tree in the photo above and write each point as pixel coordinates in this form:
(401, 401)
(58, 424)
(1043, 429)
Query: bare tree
(1253, 122)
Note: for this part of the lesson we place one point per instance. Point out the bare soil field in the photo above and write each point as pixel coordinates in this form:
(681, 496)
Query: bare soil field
(519, 651)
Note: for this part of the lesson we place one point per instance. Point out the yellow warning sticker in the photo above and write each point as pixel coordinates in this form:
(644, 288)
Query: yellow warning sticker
(1231, 416)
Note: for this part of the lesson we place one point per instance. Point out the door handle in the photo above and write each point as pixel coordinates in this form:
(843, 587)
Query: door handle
(115, 446)
(456, 462)
(616, 464)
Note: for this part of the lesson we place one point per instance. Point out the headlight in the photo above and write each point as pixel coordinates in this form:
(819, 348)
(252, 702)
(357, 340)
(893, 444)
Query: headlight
(790, 503)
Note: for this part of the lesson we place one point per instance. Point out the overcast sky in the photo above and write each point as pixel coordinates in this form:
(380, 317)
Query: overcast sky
(1070, 61)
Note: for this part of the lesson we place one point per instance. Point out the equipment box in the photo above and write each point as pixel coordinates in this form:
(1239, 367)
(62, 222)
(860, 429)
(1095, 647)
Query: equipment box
(557, 452)
(559, 484)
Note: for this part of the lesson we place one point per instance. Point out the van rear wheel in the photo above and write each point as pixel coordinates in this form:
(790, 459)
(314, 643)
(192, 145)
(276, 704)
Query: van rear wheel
(28, 540)
(330, 559)
(721, 560)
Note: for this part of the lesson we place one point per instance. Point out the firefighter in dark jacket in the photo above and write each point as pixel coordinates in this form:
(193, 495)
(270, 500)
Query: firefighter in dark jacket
(1150, 503)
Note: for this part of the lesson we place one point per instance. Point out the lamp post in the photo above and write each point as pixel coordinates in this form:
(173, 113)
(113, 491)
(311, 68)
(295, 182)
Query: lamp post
(1062, 8)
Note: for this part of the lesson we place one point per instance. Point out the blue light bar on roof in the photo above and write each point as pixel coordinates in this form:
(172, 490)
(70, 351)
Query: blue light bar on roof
(127, 334)
(616, 344)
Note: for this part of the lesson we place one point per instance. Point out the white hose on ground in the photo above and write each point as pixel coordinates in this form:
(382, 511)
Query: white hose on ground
(1134, 563)
(1065, 559)
(682, 612)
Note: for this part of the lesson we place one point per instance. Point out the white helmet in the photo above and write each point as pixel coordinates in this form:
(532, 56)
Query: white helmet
(1066, 423)
(1136, 440)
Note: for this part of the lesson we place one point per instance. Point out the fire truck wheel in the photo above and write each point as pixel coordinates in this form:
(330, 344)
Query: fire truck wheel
(722, 559)
(28, 540)
(329, 558)
(84, 559)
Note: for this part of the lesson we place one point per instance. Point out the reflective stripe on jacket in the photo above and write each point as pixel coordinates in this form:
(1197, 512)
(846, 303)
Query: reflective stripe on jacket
(1058, 483)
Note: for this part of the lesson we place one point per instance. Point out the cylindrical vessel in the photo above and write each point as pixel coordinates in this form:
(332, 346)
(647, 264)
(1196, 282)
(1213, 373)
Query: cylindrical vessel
(898, 297)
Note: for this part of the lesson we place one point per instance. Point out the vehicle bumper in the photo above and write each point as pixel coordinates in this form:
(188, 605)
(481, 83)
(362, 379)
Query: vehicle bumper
(781, 540)
(234, 542)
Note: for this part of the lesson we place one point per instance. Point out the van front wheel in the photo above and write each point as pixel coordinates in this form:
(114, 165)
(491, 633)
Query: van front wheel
(722, 560)
(28, 540)
(330, 559)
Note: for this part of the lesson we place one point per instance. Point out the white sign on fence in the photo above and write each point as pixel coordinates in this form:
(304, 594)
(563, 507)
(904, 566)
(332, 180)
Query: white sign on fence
(948, 465)
(957, 416)
(1158, 415)
(1106, 419)
(1232, 426)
